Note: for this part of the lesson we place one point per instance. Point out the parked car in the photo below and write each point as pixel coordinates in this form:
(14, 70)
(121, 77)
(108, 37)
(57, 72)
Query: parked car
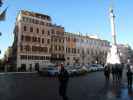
(76, 70)
(43, 71)
(49, 71)
(71, 70)
(95, 67)
(53, 71)
(82, 70)
(100, 67)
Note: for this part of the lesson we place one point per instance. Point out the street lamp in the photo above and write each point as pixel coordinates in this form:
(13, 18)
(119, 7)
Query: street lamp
(0, 35)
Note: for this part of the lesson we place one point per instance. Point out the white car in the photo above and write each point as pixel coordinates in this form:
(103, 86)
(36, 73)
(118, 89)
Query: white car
(93, 67)
(53, 71)
(49, 71)
(71, 70)
(96, 67)
(100, 67)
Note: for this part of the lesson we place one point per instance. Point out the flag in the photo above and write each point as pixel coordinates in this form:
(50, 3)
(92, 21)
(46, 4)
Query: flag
(3, 15)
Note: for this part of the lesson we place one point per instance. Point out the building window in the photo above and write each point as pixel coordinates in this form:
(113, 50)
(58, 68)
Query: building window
(48, 41)
(47, 24)
(34, 39)
(68, 50)
(52, 31)
(27, 38)
(68, 39)
(39, 40)
(27, 48)
(60, 40)
(42, 31)
(30, 20)
(55, 40)
(63, 41)
(34, 48)
(23, 57)
(42, 23)
(62, 48)
(74, 50)
(25, 28)
(43, 57)
(55, 47)
(78, 50)
(47, 57)
(37, 30)
(22, 38)
(24, 19)
(59, 48)
(88, 52)
(31, 29)
(42, 40)
(23, 67)
(21, 48)
(36, 21)
(48, 32)
(45, 49)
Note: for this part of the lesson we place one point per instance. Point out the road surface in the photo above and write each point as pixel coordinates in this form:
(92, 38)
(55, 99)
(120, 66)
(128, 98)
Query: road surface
(24, 86)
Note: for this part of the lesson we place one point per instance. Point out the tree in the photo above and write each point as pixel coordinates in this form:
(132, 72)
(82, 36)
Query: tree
(1, 65)
(1, 3)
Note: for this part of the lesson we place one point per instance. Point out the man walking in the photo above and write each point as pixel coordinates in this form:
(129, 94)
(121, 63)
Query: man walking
(63, 80)
(107, 72)
(129, 77)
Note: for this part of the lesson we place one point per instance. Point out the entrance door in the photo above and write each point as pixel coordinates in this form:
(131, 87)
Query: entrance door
(36, 66)
(23, 67)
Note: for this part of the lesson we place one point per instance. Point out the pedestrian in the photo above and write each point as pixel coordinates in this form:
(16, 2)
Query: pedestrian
(107, 72)
(113, 72)
(120, 71)
(63, 81)
(30, 69)
(129, 77)
(117, 72)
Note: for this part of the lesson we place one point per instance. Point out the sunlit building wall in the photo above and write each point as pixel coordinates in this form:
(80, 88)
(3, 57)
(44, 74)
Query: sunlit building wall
(34, 40)
(84, 49)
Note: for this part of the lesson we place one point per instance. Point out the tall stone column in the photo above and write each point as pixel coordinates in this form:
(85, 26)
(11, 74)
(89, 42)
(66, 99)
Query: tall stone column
(113, 54)
(112, 22)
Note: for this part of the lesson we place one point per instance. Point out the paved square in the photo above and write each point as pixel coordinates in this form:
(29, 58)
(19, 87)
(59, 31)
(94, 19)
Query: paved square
(89, 87)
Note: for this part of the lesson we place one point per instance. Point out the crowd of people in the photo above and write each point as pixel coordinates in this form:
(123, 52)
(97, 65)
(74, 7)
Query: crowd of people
(116, 71)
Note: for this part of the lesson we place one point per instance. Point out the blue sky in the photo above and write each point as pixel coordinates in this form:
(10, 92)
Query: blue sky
(85, 16)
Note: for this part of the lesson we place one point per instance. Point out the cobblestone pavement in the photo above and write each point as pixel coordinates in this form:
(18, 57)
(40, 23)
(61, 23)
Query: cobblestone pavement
(24, 86)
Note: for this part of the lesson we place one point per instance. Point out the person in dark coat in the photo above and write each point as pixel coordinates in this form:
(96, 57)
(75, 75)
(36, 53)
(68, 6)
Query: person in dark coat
(129, 77)
(63, 80)
(107, 72)
(113, 72)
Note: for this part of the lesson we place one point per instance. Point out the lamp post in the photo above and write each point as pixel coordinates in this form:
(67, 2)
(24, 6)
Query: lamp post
(0, 35)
